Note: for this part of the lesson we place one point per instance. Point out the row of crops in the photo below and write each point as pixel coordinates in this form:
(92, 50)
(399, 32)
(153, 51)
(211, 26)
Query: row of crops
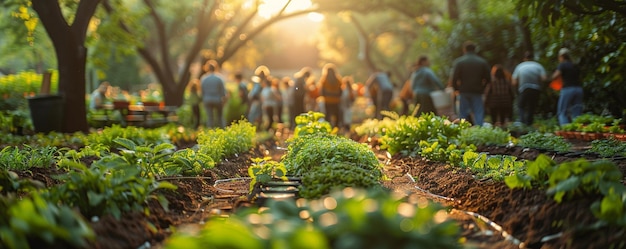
(344, 204)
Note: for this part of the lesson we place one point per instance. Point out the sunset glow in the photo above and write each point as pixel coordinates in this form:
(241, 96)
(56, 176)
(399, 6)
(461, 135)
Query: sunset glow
(269, 8)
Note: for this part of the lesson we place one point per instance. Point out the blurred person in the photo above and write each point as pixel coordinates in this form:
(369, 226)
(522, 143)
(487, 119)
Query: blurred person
(528, 77)
(499, 95)
(194, 101)
(570, 103)
(255, 114)
(330, 89)
(346, 101)
(380, 89)
(242, 90)
(98, 97)
(213, 95)
(406, 93)
(470, 75)
(300, 90)
(288, 101)
(423, 83)
(271, 99)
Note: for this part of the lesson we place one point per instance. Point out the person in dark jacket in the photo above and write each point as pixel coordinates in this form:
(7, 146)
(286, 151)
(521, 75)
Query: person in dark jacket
(380, 90)
(470, 75)
(570, 103)
(499, 96)
(213, 95)
(423, 82)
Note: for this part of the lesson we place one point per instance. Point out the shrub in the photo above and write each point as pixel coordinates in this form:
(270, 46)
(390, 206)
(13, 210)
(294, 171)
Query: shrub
(234, 139)
(310, 151)
(336, 176)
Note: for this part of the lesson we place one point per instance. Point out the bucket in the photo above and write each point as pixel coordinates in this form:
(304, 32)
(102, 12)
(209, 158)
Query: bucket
(46, 112)
(442, 98)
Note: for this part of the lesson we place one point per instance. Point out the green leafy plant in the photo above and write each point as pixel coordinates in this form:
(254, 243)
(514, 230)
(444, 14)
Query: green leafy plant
(336, 176)
(547, 141)
(234, 139)
(406, 135)
(33, 219)
(610, 147)
(570, 179)
(264, 170)
(434, 150)
(307, 152)
(10, 182)
(27, 157)
(138, 135)
(483, 135)
(106, 187)
(350, 218)
(495, 167)
(377, 127)
(311, 123)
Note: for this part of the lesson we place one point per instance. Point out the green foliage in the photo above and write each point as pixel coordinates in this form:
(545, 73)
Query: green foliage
(547, 141)
(483, 135)
(374, 127)
(264, 170)
(14, 158)
(24, 84)
(324, 179)
(234, 139)
(311, 123)
(598, 49)
(430, 136)
(580, 177)
(106, 188)
(138, 135)
(10, 182)
(160, 160)
(34, 219)
(351, 218)
(486, 166)
(316, 150)
(608, 147)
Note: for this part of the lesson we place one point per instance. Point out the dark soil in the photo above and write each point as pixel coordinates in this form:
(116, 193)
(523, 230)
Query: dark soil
(528, 218)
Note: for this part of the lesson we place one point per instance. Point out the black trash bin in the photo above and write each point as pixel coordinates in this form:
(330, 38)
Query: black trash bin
(46, 112)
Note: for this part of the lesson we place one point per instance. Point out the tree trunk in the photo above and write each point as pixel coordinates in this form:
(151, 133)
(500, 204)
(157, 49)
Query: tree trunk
(68, 41)
(453, 9)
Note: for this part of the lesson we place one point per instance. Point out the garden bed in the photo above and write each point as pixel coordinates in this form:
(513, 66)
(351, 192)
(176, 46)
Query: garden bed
(489, 213)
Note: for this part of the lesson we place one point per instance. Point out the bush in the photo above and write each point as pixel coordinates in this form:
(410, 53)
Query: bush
(310, 151)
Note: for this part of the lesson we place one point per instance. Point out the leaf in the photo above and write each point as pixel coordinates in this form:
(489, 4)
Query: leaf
(126, 143)
(94, 198)
(567, 186)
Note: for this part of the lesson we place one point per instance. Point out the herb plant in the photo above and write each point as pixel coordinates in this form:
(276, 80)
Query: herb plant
(336, 176)
(569, 179)
(307, 152)
(311, 123)
(406, 135)
(106, 188)
(608, 147)
(138, 135)
(33, 219)
(483, 135)
(547, 141)
(264, 170)
(495, 167)
(14, 158)
(350, 218)
(234, 139)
